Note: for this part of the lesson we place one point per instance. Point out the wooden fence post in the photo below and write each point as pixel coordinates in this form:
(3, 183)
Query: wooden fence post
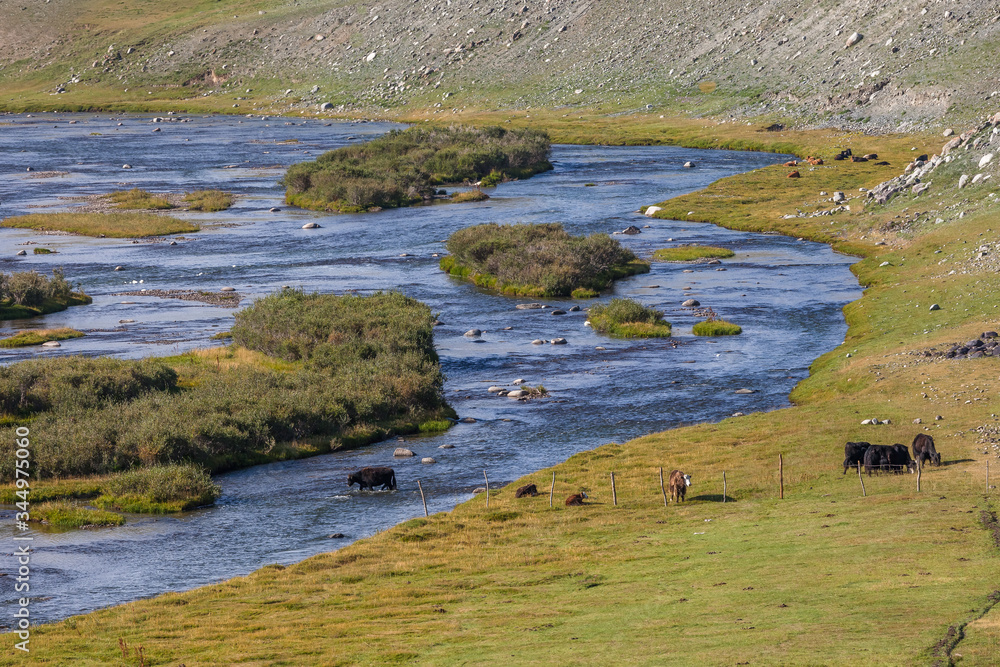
(552, 488)
(614, 493)
(781, 478)
(422, 499)
(863, 493)
(723, 486)
(487, 490)
(663, 490)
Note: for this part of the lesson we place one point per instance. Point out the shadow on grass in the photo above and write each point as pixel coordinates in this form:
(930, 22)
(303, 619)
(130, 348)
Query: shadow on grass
(713, 498)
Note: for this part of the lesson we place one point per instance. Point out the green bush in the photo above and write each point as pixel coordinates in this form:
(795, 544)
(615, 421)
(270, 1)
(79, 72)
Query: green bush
(65, 514)
(627, 318)
(538, 259)
(159, 489)
(716, 328)
(492, 179)
(208, 200)
(403, 167)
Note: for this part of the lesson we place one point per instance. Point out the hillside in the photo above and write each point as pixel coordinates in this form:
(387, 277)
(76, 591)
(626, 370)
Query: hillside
(913, 66)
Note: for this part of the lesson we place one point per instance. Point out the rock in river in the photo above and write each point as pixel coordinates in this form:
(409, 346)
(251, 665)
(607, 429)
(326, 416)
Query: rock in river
(691, 303)
(472, 333)
(402, 452)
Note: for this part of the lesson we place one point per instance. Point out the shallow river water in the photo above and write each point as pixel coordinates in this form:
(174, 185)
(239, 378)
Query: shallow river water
(786, 294)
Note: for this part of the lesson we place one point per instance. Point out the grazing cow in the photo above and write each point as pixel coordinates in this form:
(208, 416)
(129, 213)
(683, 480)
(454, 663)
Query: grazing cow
(369, 478)
(678, 485)
(854, 453)
(526, 490)
(923, 449)
(899, 458)
(576, 499)
(876, 458)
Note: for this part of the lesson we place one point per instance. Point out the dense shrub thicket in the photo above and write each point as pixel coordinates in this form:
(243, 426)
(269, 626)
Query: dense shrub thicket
(403, 167)
(538, 259)
(29, 293)
(627, 318)
(357, 368)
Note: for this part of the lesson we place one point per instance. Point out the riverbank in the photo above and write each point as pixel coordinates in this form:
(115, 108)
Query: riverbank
(754, 576)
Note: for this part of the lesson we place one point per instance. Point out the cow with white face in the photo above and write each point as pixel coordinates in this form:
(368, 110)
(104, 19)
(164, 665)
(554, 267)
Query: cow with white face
(678, 485)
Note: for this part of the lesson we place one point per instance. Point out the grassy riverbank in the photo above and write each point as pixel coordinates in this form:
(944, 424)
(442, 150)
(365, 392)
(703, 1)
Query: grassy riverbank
(404, 167)
(792, 581)
(538, 260)
(26, 294)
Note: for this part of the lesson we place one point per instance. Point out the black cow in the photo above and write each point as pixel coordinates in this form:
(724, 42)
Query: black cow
(369, 478)
(923, 449)
(526, 490)
(854, 453)
(876, 458)
(899, 459)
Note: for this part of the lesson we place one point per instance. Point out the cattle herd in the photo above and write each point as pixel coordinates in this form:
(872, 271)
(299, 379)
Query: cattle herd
(891, 458)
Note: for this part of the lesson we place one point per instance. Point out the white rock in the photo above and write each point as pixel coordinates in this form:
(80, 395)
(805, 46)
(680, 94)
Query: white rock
(853, 39)
(227, 289)
(538, 341)
(370, 57)
(651, 210)
(402, 452)
(473, 333)
(126, 166)
(866, 422)
(744, 391)
(963, 181)
(691, 303)
(948, 132)
(446, 446)
(519, 381)
(427, 459)
(917, 421)
(51, 343)
(311, 225)
(21, 253)
(587, 324)
(986, 160)
(517, 393)
(934, 306)
(494, 389)
(689, 165)
(558, 341)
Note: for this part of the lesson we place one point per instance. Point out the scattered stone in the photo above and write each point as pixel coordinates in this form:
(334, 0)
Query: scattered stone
(917, 421)
(794, 174)
(126, 166)
(986, 159)
(963, 181)
(558, 312)
(600, 347)
(745, 391)
(467, 420)
(934, 306)
(446, 446)
(853, 39)
(125, 321)
(227, 289)
(494, 389)
(558, 341)
(472, 333)
(631, 230)
(689, 165)
(538, 341)
(573, 309)
(939, 418)
(21, 253)
(517, 393)
(51, 343)
(173, 243)
(691, 303)
(274, 209)
(336, 536)
(948, 132)
(428, 460)
(737, 414)
(530, 306)
(311, 225)
(839, 197)
(119, 268)
(326, 106)
(402, 452)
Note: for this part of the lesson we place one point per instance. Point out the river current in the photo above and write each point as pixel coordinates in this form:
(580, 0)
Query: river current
(786, 294)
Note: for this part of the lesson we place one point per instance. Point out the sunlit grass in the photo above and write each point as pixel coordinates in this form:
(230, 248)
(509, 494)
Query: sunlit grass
(114, 225)
(39, 336)
(691, 252)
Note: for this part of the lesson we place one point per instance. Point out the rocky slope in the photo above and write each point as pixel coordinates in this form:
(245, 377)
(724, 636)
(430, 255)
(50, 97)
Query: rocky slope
(877, 65)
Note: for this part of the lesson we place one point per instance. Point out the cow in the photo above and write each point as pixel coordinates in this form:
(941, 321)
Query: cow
(369, 478)
(678, 485)
(899, 458)
(576, 499)
(854, 453)
(923, 450)
(526, 490)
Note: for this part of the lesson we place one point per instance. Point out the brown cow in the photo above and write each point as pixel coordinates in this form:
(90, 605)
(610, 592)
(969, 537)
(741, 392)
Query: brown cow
(576, 499)
(794, 174)
(792, 163)
(526, 490)
(678, 485)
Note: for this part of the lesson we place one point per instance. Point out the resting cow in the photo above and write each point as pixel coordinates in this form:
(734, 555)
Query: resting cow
(854, 453)
(923, 450)
(369, 478)
(526, 490)
(678, 485)
(576, 499)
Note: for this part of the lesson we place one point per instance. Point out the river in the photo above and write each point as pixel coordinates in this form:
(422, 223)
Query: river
(786, 294)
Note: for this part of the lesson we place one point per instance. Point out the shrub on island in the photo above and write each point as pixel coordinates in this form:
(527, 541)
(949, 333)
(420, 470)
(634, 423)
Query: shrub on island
(139, 199)
(404, 167)
(538, 260)
(28, 293)
(627, 318)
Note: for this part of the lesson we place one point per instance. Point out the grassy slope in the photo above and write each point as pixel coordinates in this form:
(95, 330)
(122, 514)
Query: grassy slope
(878, 579)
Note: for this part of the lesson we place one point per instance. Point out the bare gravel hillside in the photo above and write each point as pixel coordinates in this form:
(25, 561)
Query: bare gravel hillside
(883, 65)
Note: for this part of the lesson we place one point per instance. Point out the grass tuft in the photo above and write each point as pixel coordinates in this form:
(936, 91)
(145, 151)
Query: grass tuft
(469, 195)
(66, 514)
(39, 336)
(159, 489)
(716, 328)
(208, 200)
(691, 252)
(113, 225)
(627, 318)
(139, 199)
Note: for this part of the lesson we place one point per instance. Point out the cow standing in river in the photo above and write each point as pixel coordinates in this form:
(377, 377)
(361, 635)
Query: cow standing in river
(369, 478)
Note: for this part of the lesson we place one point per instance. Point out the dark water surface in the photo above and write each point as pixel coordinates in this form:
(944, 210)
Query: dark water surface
(786, 294)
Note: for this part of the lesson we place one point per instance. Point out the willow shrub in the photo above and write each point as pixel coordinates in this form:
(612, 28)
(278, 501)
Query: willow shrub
(403, 167)
(342, 369)
(538, 259)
